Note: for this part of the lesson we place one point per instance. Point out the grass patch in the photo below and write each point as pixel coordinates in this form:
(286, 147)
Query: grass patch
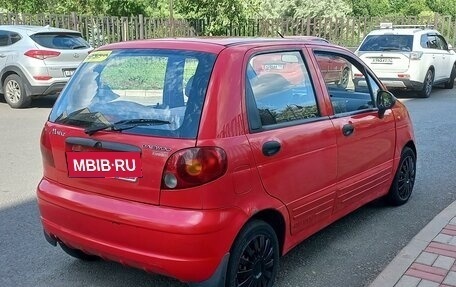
(141, 73)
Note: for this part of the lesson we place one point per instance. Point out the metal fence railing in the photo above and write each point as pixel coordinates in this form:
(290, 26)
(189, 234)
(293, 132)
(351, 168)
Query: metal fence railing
(346, 31)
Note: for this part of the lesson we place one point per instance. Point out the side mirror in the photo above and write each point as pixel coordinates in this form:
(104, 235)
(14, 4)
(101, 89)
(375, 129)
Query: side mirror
(385, 101)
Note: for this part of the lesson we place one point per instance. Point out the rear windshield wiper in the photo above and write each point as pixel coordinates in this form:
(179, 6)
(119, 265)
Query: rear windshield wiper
(79, 47)
(391, 49)
(125, 124)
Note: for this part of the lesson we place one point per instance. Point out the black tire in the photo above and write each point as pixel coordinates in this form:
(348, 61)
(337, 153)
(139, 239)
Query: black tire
(15, 93)
(450, 83)
(425, 92)
(402, 186)
(76, 253)
(254, 257)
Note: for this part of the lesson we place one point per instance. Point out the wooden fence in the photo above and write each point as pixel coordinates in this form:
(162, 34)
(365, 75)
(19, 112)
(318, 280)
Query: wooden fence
(346, 31)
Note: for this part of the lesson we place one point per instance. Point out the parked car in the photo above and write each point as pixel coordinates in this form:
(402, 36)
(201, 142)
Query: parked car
(176, 157)
(409, 57)
(331, 68)
(37, 61)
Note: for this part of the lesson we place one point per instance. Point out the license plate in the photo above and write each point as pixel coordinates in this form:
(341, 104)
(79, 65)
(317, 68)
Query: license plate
(382, 60)
(269, 67)
(104, 164)
(68, 72)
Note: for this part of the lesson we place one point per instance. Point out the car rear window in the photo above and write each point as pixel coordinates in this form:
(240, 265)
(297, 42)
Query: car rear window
(387, 43)
(168, 86)
(62, 41)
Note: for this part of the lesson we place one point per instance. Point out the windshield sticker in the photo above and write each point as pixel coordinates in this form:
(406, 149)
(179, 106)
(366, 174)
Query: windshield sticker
(98, 56)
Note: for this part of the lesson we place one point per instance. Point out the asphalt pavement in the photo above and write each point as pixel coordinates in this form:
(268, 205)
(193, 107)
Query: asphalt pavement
(351, 252)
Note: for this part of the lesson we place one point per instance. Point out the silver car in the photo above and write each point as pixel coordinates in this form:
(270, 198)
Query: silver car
(37, 61)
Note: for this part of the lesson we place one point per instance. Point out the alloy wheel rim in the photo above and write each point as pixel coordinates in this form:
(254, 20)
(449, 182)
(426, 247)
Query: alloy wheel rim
(406, 178)
(13, 91)
(256, 264)
(428, 83)
(344, 79)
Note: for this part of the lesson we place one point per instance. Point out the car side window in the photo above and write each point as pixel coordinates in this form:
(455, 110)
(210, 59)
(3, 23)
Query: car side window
(14, 37)
(424, 41)
(432, 42)
(4, 38)
(8, 38)
(442, 43)
(279, 90)
(345, 80)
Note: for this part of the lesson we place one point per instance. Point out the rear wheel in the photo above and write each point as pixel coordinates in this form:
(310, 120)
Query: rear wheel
(15, 93)
(79, 254)
(450, 83)
(425, 92)
(254, 257)
(402, 186)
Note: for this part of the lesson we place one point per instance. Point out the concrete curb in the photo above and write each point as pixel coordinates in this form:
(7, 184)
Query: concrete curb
(399, 265)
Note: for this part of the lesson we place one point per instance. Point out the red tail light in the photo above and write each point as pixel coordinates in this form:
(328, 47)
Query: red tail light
(193, 167)
(42, 78)
(41, 54)
(46, 150)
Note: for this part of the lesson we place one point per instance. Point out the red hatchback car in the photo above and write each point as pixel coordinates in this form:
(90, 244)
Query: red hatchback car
(175, 156)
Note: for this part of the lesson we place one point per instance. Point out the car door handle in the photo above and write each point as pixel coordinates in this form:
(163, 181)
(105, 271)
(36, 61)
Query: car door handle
(348, 129)
(271, 148)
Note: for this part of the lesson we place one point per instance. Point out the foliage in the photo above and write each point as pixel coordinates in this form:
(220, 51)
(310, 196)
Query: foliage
(444, 7)
(223, 12)
(370, 8)
(314, 8)
(219, 13)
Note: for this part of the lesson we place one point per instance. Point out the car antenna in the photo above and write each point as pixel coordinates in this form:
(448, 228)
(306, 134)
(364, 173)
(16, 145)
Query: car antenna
(280, 34)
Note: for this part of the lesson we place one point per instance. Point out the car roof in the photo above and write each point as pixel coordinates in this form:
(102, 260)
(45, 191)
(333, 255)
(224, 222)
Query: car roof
(402, 31)
(214, 44)
(30, 29)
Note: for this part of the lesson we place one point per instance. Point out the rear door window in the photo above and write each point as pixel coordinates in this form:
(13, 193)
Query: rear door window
(61, 41)
(279, 91)
(165, 86)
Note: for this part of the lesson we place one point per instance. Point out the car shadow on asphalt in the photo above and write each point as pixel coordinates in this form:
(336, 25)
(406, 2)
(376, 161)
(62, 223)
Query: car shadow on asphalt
(46, 102)
(414, 95)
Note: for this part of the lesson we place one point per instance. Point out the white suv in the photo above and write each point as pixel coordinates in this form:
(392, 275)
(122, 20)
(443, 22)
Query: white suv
(409, 57)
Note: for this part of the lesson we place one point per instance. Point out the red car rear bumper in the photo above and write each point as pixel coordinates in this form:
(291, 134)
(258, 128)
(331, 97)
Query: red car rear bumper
(185, 244)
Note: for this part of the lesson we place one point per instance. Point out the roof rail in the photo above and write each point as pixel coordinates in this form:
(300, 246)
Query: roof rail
(391, 26)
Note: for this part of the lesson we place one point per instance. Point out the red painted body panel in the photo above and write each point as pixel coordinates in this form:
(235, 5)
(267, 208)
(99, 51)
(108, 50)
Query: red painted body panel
(365, 158)
(318, 176)
(174, 242)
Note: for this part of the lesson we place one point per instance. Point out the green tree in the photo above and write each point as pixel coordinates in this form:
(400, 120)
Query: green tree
(25, 6)
(370, 7)
(444, 7)
(314, 8)
(219, 13)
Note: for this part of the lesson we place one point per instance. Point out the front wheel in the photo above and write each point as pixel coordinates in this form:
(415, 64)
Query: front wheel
(402, 186)
(254, 257)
